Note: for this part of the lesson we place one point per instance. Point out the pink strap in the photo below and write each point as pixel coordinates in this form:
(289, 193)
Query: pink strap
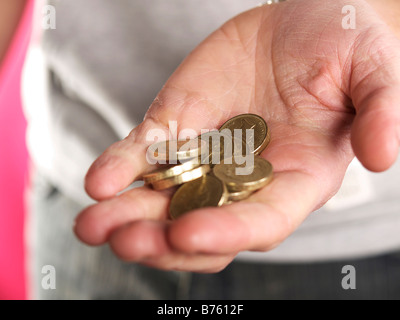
(13, 164)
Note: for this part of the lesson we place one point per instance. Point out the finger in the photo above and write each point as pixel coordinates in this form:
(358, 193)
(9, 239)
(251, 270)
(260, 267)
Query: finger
(121, 163)
(126, 160)
(147, 242)
(376, 130)
(95, 224)
(375, 87)
(259, 223)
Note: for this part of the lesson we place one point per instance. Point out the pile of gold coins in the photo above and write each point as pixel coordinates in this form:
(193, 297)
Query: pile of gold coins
(216, 168)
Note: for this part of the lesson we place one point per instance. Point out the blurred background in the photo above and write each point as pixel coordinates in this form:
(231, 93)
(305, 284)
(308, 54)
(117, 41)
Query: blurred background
(13, 163)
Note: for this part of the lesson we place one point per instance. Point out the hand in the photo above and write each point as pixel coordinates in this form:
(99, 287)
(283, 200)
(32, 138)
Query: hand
(323, 90)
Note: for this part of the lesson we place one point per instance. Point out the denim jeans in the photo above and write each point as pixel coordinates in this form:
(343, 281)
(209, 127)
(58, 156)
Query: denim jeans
(94, 273)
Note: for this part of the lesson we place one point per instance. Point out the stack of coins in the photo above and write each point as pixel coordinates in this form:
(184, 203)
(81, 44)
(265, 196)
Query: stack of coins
(216, 168)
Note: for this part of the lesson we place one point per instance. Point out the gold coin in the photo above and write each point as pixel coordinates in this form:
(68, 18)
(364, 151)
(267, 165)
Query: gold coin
(239, 195)
(173, 150)
(207, 191)
(171, 171)
(182, 178)
(260, 131)
(219, 146)
(245, 176)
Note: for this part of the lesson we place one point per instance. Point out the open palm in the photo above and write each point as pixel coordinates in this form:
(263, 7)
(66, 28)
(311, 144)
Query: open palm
(325, 92)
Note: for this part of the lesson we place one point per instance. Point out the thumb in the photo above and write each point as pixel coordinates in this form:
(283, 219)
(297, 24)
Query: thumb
(375, 91)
